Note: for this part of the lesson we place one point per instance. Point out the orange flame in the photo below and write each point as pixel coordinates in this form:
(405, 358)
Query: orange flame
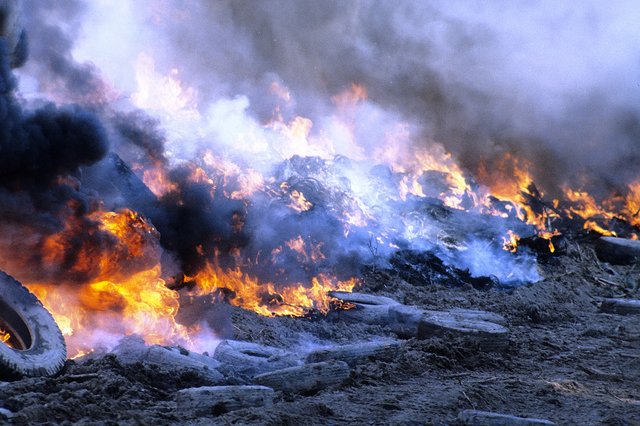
(632, 204)
(157, 181)
(584, 205)
(141, 304)
(119, 300)
(268, 298)
(298, 201)
(126, 293)
(4, 336)
(510, 243)
(598, 216)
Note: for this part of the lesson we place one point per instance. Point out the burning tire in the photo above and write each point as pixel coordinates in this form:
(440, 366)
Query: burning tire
(31, 343)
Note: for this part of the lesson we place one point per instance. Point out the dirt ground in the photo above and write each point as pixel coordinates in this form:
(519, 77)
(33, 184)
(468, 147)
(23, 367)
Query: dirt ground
(566, 362)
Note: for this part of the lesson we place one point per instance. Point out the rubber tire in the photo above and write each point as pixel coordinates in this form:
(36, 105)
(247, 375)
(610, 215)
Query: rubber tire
(25, 318)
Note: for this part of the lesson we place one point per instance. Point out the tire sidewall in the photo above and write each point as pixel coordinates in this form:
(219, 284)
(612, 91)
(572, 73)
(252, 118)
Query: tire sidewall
(47, 352)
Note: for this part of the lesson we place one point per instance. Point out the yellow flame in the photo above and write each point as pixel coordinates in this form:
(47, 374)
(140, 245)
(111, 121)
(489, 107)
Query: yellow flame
(268, 298)
(158, 182)
(510, 243)
(298, 201)
(632, 204)
(4, 336)
(118, 301)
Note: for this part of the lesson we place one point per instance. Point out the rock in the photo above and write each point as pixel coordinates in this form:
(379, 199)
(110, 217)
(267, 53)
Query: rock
(620, 306)
(251, 358)
(485, 418)
(357, 353)
(306, 378)
(368, 309)
(618, 251)
(216, 400)
(204, 359)
(366, 314)
(6, 414)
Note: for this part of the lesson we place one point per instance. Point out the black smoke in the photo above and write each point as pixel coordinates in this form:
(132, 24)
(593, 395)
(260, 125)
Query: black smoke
(41, 154)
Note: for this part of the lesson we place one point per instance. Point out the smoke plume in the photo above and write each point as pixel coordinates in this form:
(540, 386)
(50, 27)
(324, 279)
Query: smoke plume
(553, 84)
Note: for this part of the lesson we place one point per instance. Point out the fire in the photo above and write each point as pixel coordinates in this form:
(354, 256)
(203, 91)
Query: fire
(632, 204)
(599, 215)
(126, 295)
(299, 246)
(296, 138)
(590, 225)
(548, 235)
(157, 181)
(246, 181)
(121, 300)
(124, 291)
(280, 91)
(127, 226)
(510, 243)
(584, 205)
(348, 99)
(509, 179)
(268, 298)
(4, 336)
(140, 304)
(298, 201)
(576, 204)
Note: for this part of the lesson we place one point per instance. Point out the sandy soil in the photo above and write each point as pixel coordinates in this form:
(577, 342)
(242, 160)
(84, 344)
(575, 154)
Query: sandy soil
(566, 362)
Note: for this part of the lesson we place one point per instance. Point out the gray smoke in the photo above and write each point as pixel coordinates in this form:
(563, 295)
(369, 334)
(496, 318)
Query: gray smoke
(52, 29)
(553, 82)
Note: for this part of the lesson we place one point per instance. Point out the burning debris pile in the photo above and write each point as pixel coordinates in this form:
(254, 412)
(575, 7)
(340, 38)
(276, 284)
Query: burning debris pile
(146, 204)
(267, 214)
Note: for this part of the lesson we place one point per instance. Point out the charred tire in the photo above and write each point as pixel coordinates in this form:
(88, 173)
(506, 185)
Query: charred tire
(35, 346)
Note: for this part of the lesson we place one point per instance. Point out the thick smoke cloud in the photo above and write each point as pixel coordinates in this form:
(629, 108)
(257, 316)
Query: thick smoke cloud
(555, 83)
(47, 142)
(41, 153)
